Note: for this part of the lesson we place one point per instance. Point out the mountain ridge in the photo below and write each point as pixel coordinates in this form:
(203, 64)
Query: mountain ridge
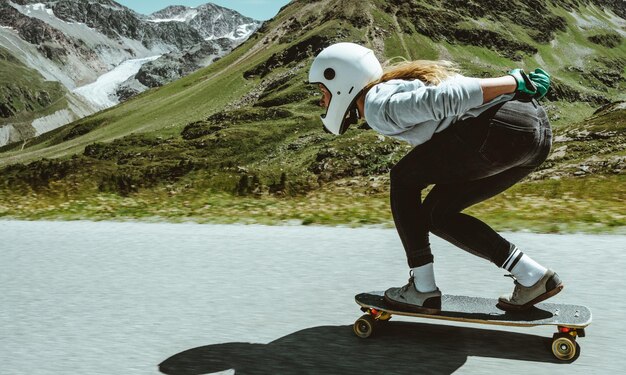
(213, 20)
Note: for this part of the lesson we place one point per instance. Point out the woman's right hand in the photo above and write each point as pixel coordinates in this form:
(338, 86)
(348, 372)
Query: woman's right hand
(541, 79)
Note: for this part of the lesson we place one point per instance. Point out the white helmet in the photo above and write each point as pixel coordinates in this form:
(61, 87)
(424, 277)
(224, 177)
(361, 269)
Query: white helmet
(344, 69)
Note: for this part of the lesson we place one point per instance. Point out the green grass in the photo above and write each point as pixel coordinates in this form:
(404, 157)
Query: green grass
(551, 206)
(564, 114)
(589, 205)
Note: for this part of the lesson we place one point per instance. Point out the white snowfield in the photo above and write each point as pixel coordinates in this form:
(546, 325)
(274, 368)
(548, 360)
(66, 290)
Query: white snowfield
(102, 92)
(244, 31)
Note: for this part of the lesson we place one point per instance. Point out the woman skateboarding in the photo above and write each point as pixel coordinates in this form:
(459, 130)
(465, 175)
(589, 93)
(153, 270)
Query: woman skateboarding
(473, 138)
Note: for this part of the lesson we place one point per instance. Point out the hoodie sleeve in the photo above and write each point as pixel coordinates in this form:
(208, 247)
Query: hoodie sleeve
(453, 97)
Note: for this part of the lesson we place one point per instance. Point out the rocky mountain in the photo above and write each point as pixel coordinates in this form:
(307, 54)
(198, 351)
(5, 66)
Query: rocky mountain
(99, 47)
(249, 124)
(212, 21)
(222, 29)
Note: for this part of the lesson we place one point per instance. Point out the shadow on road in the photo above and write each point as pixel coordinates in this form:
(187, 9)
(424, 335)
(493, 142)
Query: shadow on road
(398, 348)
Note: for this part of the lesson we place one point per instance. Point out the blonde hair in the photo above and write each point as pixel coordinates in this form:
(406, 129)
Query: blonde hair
(428, 71)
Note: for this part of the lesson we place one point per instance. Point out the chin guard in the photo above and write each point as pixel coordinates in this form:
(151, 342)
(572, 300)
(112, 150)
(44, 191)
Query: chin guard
(352, 117)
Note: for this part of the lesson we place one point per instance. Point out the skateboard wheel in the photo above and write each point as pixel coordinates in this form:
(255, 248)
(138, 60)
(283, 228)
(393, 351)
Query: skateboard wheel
(564, 346)
(364, 326)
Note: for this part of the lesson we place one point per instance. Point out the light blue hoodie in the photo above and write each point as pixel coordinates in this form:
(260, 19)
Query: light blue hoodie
(413, 111)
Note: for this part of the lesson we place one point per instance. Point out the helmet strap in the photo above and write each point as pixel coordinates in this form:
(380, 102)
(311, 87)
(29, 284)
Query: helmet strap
(352, 115)
(351, 118)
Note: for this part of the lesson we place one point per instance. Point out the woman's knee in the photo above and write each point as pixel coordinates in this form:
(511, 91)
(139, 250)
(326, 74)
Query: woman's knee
(401, 177)
(434, 214)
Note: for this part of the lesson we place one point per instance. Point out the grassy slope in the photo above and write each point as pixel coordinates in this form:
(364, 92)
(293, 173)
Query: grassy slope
(250, 157)
(165, 110)
(20, 86)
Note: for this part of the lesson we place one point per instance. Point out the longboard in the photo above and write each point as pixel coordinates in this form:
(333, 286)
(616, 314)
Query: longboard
(570, 320)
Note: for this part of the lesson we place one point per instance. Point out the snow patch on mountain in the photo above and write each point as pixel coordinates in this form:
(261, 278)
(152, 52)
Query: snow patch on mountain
(32, 9)
(40, 7)
(102, 93)
(243, 31)
(183, 17)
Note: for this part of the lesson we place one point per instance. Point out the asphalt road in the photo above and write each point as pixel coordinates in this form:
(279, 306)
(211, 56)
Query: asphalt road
(122, 298)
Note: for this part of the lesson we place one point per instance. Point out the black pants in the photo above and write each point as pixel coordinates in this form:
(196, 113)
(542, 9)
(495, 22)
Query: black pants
(469, 162)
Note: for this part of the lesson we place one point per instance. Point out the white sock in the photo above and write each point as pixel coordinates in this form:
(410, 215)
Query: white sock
(526, 271)
(424, 277)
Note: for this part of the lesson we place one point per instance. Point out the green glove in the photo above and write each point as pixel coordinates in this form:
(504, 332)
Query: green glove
(534, 85)
(524, 84)
(541, 79)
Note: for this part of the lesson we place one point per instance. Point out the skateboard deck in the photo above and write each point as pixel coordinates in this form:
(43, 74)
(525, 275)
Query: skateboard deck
(570, 320)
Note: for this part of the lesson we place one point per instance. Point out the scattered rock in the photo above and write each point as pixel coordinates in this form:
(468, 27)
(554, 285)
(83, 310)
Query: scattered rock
(558, 153)
(607, 40)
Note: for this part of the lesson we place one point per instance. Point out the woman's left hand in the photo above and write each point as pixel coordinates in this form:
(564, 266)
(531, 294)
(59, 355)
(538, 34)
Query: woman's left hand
(534, 85)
